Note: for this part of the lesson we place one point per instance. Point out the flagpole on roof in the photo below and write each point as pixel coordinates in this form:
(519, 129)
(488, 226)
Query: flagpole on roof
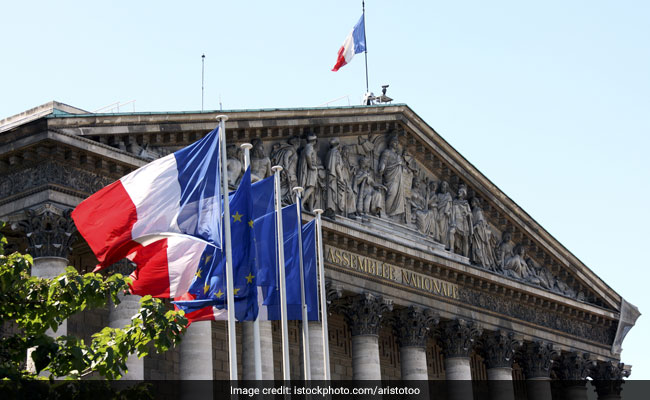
(303, 303)
(365, 38)
(283, 283)
(257, 348)
(230, 296)
(323, 295)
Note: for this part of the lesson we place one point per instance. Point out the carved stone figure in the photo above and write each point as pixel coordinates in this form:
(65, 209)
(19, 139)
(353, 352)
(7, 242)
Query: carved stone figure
(481, 240)
(445, 205)
(423, 209)
(340, 194)
(260, 163)
(432, 206)
(391, 169)
(309, 171)
(370, 194)
(235, 167)
(516, 266)
(503, 251)
(409, 174)
(460, 227)
(286, 155)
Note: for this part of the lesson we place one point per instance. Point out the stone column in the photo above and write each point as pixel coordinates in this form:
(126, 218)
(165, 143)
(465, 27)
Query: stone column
(536, 360)
(119, 316)
(316, 350)
(499, 350)
(574, 368)
(412, 327)
(608, 379)
(457, 338)
(364, 313)
(266, 347)
(50, 233)
(196, 352)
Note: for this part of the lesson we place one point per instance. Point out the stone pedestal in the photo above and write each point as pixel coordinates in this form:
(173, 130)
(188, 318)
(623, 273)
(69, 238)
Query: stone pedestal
(120, 316)
(363, 314)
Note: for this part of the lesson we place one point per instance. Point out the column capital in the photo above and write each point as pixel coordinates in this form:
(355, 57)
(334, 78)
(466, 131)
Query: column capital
(458, 337)
(50, 231)
(608, 378)
(364, 313)
(536, 359)
(499, 348)
(412, 324)
(575, 366)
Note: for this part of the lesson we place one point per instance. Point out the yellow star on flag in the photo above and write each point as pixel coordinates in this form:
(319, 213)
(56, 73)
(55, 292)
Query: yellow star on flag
(249, 278)
(250, 223)
(218, 294)
(198, 273)
(206, 288)
(235, 290)
(237, 217)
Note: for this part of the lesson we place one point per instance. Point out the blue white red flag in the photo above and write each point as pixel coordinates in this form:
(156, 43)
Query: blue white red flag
(354, 43)
(179, 193)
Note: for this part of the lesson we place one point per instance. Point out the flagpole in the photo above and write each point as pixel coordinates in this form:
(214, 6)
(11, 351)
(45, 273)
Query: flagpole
(303, 303)
(363, 12)
(323, 295)
(230, 296)
(257, 348)
(283, 290)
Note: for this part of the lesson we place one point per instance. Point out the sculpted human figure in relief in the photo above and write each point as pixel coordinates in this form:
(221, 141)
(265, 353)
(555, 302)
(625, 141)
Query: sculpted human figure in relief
(260, 163)
(309, 171)
(503, 251)
(445, 202)
(481, 241)
(391, 169)
(460, 227)
(340, 194)
(286, 156)
(370, 194)
(234, 166)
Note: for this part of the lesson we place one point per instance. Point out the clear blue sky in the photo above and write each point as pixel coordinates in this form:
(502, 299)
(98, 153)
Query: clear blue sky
(550, 100)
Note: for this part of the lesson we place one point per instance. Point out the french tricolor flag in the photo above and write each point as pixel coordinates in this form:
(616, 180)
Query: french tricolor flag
(355, 43)
(167, 264)
(179, 193)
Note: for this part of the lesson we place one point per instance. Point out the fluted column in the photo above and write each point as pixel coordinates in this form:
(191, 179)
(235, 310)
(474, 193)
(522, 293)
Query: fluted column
(536, 360)
(364, 313)
(412, 327)
(574, 368)
(608, 379)
(498, 350)
(50, 233)
(316, 350)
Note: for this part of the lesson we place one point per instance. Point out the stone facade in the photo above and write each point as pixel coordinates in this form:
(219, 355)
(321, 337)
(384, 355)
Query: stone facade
(432, 272)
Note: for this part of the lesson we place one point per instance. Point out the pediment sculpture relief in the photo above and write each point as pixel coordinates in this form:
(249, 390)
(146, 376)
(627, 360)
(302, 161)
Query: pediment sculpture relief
(376, 176)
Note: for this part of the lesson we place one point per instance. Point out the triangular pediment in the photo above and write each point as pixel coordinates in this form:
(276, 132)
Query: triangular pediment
(408, 189)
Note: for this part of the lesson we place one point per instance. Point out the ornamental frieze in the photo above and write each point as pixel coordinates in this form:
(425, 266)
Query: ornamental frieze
(51, 172)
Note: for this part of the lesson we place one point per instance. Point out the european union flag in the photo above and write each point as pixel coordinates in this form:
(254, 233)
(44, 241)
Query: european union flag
(209, 286)
(268, 265)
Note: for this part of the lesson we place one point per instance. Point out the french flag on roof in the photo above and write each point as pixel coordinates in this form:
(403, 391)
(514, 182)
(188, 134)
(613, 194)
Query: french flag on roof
(179, 193)
(355, 43)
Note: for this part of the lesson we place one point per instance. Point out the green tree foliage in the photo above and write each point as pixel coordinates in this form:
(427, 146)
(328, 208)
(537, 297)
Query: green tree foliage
(36, 304)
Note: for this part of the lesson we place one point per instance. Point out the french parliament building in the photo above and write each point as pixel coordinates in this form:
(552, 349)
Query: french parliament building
(431, 272)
